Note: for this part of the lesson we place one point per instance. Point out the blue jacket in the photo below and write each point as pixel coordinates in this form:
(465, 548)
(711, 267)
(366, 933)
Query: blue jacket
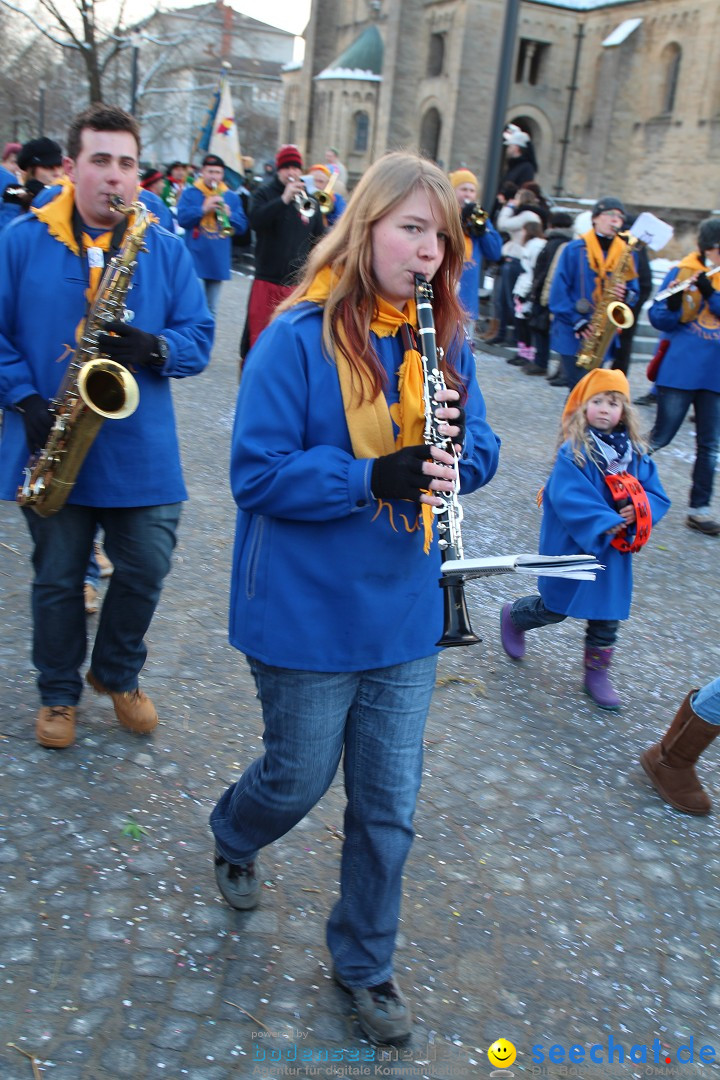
(135, 461)
(692, 361)
(489, 246)
(578, 509)
(574, 280)
(324, 579)
(211, 252)
(157, 207)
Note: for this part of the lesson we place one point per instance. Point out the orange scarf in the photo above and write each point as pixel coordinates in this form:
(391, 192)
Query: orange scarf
(58, 216)
(692, 297)
(603, 265)
(370, 420)
(209, 221)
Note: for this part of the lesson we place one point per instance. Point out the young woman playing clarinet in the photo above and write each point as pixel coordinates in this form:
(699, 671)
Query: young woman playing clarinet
(335, 600)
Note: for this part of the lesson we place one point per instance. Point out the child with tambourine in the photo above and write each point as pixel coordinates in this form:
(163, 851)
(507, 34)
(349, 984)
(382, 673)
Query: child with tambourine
(602, 498)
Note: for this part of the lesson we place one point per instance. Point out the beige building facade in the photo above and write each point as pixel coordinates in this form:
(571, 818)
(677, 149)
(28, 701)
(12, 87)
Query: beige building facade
(620, 97)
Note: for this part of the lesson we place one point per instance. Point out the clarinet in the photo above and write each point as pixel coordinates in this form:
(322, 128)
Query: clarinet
(456, 624)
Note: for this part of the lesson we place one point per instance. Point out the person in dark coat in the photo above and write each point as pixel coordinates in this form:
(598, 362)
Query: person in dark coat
(283, 238)
(520, 156)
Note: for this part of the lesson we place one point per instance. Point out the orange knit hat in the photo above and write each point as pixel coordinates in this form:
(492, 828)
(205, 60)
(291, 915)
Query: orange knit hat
(462, 176)
(595, 382)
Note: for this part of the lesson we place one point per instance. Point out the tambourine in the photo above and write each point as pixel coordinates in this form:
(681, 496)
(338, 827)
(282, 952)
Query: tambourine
(628, 489)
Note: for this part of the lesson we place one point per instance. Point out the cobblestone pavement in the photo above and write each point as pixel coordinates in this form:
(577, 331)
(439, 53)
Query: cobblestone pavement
(550, 897)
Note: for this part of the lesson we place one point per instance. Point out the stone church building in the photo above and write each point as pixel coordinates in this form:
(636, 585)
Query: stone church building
(620, 97)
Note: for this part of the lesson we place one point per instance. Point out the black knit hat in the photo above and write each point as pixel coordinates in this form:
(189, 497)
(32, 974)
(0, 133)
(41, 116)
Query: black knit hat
(709, 233)
(608, 203)
(42, 151)
(213, 159)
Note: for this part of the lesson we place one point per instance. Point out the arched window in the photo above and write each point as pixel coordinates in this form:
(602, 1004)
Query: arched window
(430, 134)
(361, 122)
(436, 55)
(670, 61)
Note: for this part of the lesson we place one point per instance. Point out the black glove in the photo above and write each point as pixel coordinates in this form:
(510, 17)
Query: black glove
(674, 302)
(705, 286)
(580, 324)
(131, 346)
(37, 420)
(400, 475)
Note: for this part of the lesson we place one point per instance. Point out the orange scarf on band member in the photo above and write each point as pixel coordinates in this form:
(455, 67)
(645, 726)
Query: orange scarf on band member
(209, 221)
(58, 216)
(370, 421)
(692, 297)
(603, 265)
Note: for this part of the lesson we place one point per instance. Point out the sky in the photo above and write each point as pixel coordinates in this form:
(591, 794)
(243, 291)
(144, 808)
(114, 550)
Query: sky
(291, 15)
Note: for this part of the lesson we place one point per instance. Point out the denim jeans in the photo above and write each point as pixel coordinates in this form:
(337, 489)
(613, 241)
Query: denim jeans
(139, 542)
(212, 294)
(377, 719)
(529, 612)
(570, 371)
(672, 406)
(706, 702)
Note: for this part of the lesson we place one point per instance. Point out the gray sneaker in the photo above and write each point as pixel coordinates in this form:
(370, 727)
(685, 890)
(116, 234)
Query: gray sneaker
(382, 1011)
(240, 885)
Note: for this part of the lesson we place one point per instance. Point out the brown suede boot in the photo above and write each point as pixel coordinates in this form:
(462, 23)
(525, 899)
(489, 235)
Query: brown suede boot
(670, 764)
(491, 331)
(133, 708)
(55, 726)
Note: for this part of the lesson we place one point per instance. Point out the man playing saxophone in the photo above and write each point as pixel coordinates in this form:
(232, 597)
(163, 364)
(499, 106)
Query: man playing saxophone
(130, 481)
(579, 285)
(210, 213)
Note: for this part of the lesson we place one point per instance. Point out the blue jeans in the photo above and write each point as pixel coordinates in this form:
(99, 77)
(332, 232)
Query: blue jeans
(529, 612)
(706, 702)
(377, 719)
(139, 542)
(672, 406)
(570, 371)
(212, 294)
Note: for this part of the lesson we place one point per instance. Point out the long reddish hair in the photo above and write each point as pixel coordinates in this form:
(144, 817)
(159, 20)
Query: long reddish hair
(347, 249)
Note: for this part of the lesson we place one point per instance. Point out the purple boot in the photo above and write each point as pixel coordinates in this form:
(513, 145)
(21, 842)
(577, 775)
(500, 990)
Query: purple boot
(597, 681)
(513, 641)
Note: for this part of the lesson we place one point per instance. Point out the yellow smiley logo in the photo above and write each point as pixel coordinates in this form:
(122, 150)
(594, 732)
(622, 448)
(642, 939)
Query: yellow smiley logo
(502, 1053)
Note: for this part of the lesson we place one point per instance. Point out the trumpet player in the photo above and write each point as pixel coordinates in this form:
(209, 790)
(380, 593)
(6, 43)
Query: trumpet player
(689, 317)
(286, 223)
(482, 241)
(335, 203)
(210, 213)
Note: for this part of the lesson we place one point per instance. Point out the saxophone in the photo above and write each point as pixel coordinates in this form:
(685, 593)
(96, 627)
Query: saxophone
(95, 388)
(456, 626)
(611, 314)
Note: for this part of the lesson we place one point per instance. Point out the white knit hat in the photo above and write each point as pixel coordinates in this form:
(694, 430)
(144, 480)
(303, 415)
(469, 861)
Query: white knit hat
(515, 136)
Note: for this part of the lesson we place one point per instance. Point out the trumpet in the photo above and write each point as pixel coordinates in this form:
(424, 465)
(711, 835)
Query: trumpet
(306, 205)
(474, 218)
(681, 286)
(325, 199)
(223, 220)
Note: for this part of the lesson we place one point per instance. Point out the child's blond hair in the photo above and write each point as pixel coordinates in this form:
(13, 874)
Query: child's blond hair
(575, 431)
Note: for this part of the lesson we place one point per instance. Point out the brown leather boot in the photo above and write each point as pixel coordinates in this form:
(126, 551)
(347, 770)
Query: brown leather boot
(55, 726)
(670, 764)
(491, 330)
(133, 708)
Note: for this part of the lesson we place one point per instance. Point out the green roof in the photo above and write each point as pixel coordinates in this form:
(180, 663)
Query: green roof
(365, 53)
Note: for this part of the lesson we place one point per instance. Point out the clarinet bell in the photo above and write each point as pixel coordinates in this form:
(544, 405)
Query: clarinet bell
(456, 620)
